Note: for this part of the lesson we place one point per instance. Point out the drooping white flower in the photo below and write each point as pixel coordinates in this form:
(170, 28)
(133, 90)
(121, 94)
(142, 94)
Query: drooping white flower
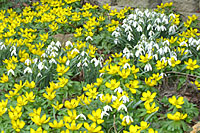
(128, 119)
(122, 107)
(107, 108)
(124, 98)
(104, 113)
(148, 67)
(28, 70)
(68, 43)
(81, 116)
(11, 71)
(89, 38)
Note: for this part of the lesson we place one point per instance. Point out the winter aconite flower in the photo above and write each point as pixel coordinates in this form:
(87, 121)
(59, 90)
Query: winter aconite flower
(148, 97)
(96, 116)
(191, 65)
(93, 128)
(56, 124)
(177, 116)
(113, 84)
(176, 102)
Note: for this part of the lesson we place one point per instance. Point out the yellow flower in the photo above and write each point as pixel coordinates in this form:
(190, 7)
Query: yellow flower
(173, 40)
(16, 113)
(152, 131)
(92, 93)
(177, 116)
(88, 86)
(117, 103)
(124, 73)
(98, 82)
(4, 79)
(161, 64)
(2, 110)
(63, 81)
(35, 112)
(29, 97)
(61, 69)
(17, 125)
(71, 105)
(106, 7)
(58, 106)
(39, 130)
(62, 60)
(4, 103)
(96, 116)
(145, 59)
(44, 37)
(143, 125)
(132, 85)
(113, 69)
(113, 84)
(133, 129)
(148, 97)
(21, 101)
(75, 17)
(106, 99)
(50, 96)
(176, 102)
(150, 81)
(55, 124)
(71, 116)
(53, 26)
(151, 109)
(73, 126)
(39, 121)
(30, 85)
(191, 65)
(174, 62)
(92, 128)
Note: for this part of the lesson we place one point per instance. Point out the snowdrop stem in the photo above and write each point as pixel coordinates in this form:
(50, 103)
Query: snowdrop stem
(150, 116)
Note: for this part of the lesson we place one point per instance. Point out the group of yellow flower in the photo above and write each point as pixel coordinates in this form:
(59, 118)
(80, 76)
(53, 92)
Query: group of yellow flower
(39, 91)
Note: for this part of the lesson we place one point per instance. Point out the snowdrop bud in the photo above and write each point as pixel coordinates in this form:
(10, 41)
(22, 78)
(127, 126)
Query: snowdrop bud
(81, 116)
(139, 28)
(123, 107)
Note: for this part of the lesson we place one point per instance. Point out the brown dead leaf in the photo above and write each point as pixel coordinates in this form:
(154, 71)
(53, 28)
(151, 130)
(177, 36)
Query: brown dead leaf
(196, 128)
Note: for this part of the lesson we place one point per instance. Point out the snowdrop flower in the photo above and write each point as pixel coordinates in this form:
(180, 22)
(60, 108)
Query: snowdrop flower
(128, 28)
(116, 41)
(39, 75)
(96, 62)
(44, 55)
(13, 49)
(104, 113)
(11, 71)
(52, 61)
(119, 89)
(166, 49)
(28, 69)
(128, 119)
(79, 64)
(130, 37)
(2, 46)
(172, 29)
(75, 50)
(81, 116)
(85, 64)
(67, 63)
(89, 38)
(107, 108)
(35, 60)
(163, 28)
(139, 28)
(113, 98)
(58, 44)
(40, 66)
(183, 43)
(147, 67)
(27, 62)
(115, 34)
(126, 65)
(149, 27)
(123, 107)
(68, 43)
(124, 98)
